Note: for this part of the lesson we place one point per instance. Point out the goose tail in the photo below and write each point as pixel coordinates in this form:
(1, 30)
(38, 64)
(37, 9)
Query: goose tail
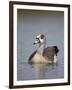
(56, 50)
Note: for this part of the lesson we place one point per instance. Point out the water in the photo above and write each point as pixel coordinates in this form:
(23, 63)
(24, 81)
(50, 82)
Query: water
(31, 23)
(40, 71)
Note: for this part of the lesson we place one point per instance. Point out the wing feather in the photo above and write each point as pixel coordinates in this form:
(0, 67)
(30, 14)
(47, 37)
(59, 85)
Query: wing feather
(49, 52)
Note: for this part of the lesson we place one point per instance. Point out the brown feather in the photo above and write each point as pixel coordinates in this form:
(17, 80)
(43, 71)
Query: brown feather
(49, 53)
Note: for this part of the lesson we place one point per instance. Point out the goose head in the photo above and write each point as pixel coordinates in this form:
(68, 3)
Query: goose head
(40, 39)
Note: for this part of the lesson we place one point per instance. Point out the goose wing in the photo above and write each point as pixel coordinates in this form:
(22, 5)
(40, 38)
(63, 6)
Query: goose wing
(32, 55)
(49, 52)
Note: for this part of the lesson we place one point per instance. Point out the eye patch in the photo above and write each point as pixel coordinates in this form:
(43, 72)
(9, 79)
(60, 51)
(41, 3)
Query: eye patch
(42, 36)
(37, 38)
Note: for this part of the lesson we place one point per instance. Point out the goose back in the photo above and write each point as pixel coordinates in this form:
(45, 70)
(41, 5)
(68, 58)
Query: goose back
(50, 52)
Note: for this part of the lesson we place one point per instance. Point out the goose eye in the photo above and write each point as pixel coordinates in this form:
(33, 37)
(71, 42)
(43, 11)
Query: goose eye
(42, 36)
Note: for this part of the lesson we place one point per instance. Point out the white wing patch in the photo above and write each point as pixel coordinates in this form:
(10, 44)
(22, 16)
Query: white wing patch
(55, 58)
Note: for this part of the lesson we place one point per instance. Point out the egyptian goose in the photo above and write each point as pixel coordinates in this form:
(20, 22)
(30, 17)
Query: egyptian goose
(42, 54)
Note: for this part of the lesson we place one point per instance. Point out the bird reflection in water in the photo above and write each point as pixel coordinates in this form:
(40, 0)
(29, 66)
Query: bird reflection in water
(41, 70)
